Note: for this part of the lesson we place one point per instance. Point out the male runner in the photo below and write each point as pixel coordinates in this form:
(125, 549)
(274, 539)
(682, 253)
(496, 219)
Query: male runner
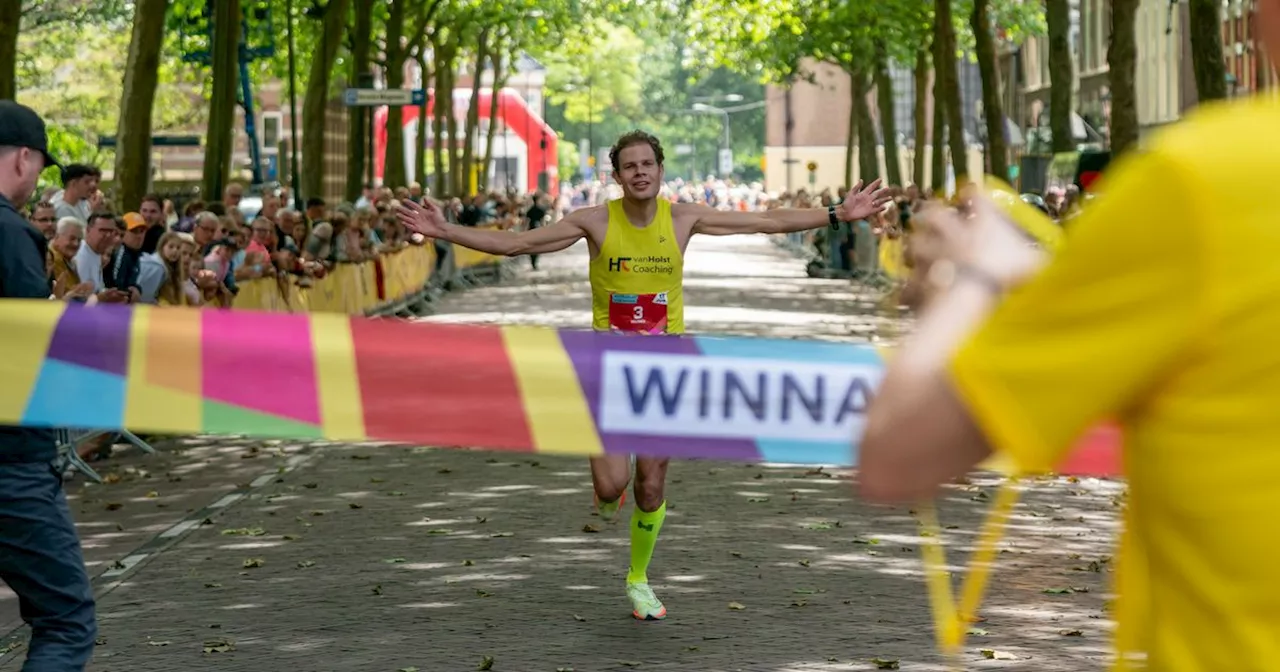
(637, 246)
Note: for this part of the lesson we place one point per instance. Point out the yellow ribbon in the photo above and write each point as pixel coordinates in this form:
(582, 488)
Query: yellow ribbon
(949, 619)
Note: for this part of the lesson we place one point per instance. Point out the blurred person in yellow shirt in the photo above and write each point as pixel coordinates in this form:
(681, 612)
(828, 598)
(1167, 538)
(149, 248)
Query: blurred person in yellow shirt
(1159, 311)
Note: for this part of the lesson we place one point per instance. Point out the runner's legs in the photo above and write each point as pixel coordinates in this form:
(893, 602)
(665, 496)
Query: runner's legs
(646, 522)
(610, 475)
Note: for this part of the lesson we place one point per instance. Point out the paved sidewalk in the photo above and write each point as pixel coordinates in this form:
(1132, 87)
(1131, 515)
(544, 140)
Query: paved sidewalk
(376, 558)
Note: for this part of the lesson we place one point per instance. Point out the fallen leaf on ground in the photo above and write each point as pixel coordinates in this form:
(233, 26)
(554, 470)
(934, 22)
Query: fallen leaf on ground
(377, 480)
(590, 529)
(213, 584)
(113, 506)
(407, 669)
(159, 643)
(977, 632)
(757, 500)
(245, 532)
(483, 593)
(306, 563)
(871, 542)
(394, 561)
(311, 486)
(317, 513)
(804, 563)
(992, 654)
(444, 471)
(1071, 633)
(1057, 591)
(396, 493)
(629, 663)
(153, 494)
(362, 457)
(467, 563)
(112, 477)
(495, 535)
(355, 506)
(735, 554)
(579, 618)
(737, 606)
(885, 663)
(799, 603)
(485, 664)
(291, 537)
(819, 526)
(219, 646)
(377, 590)
(564, 669)
(11, 646)
(481, 519)
(439, 531)
(254, 562)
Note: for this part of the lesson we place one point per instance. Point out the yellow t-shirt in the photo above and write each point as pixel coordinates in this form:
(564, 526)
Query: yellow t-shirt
(637, 279)
(1162, 310)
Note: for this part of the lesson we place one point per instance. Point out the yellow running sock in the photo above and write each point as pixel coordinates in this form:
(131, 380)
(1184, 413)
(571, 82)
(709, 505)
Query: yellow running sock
(645, 526)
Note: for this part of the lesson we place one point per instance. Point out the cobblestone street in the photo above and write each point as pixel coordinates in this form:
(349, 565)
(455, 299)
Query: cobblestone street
(248, 556)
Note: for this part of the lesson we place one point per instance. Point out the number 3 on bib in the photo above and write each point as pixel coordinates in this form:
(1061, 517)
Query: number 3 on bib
(638, 313)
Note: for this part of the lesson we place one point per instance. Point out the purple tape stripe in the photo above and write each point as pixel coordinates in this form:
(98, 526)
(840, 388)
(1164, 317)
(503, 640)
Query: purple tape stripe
(95, 337)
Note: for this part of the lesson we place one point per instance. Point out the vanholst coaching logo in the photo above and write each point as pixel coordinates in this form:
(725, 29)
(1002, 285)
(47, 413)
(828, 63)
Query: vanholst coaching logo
(650, 264)
(682, 395)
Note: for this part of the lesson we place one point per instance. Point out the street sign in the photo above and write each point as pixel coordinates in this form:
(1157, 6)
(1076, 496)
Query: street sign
(726, 162)
(812, 166)
(380, 97)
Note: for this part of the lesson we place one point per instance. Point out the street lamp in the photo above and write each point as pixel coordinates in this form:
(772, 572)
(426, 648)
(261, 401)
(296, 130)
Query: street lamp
(726, 147)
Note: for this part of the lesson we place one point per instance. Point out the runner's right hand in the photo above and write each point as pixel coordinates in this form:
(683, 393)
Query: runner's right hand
(426, 219)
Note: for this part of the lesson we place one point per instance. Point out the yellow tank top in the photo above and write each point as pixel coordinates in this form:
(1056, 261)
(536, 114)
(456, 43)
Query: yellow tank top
(637, 279)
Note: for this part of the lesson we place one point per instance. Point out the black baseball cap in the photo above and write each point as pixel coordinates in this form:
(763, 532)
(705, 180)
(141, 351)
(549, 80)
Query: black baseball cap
(20, 126)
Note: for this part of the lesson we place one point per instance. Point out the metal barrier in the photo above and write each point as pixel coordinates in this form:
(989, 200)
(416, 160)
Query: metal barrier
(69, 440)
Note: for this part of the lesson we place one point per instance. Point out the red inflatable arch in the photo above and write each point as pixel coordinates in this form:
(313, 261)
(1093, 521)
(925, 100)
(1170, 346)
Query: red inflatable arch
(538, 137)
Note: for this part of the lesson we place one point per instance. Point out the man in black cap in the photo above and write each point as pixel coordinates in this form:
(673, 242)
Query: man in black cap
(39, 552)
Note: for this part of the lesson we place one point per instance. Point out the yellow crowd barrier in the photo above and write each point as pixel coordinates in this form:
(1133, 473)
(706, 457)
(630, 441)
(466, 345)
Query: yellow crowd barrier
(468, 258)
(349, 289)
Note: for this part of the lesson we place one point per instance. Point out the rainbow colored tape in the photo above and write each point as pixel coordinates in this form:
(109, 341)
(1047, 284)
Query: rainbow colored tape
(527, 389)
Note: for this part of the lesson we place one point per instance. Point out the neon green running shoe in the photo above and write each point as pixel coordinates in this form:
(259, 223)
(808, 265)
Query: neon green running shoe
(645, 606)
(609, 510)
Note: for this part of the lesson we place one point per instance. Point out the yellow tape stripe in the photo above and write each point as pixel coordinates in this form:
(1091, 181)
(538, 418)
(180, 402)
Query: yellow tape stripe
(557, 411)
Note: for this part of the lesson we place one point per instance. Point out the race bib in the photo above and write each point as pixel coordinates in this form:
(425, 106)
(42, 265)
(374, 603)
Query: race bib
(638, 313)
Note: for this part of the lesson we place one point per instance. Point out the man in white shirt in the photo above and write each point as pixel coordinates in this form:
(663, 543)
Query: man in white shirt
(100, 238)
(79, 196)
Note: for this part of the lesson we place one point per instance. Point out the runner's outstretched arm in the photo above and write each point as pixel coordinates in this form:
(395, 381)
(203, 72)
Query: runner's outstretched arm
(429, 221)
(862, 202)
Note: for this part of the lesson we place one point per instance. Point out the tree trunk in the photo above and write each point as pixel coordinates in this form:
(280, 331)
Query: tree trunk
(938, 162)
(473, 114)
(920, 115)
(141, 75)
(1206, 50)
(888, 124)
(393, 174)
(420, 156)
(499, 79)
(316, 104)
(443, 105)
(951, 100)
(456, 173)
(10, 21)
(1061, 78)
(219, 137)
(992, 104)
(1122, 59)
(358, 121)
(868, 157)
(851, 140)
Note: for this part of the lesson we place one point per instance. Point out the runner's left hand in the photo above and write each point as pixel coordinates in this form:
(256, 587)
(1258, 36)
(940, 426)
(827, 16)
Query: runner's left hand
(862, 202)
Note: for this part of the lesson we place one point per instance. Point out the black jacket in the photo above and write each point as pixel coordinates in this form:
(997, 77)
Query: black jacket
(122, 272)
(23, 276)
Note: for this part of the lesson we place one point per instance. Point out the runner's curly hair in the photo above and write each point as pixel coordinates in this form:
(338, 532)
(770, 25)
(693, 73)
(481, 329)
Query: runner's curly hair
(636, 137)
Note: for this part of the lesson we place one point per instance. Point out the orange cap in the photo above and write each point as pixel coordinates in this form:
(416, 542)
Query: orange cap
(133, 220)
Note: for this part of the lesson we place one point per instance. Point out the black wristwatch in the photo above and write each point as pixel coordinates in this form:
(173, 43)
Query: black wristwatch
(831, 217)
